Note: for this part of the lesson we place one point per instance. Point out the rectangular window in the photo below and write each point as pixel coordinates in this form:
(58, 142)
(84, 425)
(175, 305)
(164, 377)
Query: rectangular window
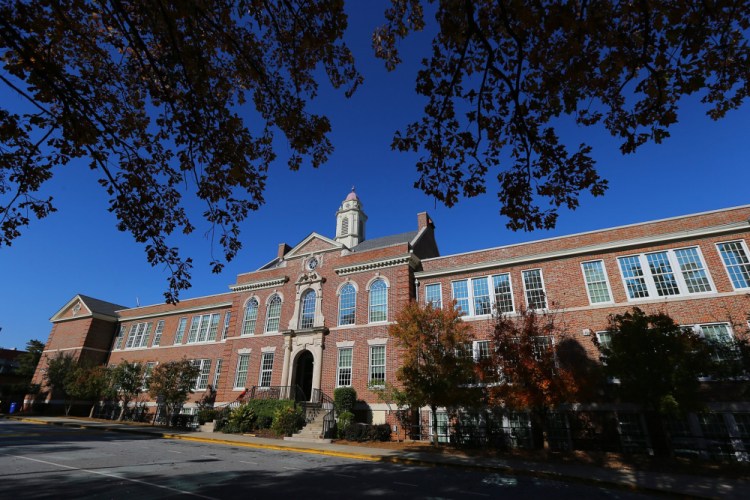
(377, 364)
(481, 350)
(225, 330)
(217, 372)
(120, 337)
(503, 293)
(180, 331)
(203, 328)
(193, 335)
(139, 335)
(605, 339)
(344, 376)
(632, 273)
(533, 284)
(596, 282)
(201, 381)
(461, 296)
(213, 327)
(735, 257)
(542, 345)
(240, 378)
(719, 335)
(481, 293)
(661, 272)
(158, 332)
(433, 295)
(693, 272)
(266, 369)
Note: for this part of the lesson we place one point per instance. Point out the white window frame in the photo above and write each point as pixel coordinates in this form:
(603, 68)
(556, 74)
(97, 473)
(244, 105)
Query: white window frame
(120, 338)
(179, 336)
(439, 303)
(269, 318)
(371, 365)
(744, 247)
(240, 369)
(265, 371)
(307, 316)
(476, 350)
(674, 264)
(217, 372)
(139, 335)
(491, 290)
(354, 308)
(204, 367)
(371, 306)
(606, 281)
(157, 333)
(225, 329)
(203, 328)
(526, 290)
(341, 369)
(698, 329)
(246, 330)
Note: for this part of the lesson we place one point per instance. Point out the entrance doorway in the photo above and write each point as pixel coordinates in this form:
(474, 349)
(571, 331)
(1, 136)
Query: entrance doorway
(303, 373)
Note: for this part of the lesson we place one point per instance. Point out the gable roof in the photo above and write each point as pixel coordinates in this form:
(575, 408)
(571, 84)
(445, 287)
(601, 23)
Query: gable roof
(321, 243)
(385, 241)
(94, 307)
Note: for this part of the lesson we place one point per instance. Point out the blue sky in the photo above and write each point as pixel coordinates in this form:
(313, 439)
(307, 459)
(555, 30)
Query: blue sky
(703, 166)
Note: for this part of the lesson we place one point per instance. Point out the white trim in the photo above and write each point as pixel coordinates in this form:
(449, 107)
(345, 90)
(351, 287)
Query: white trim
(743, 244)
(78, 349)
(128, 309)
(345, 343)
(439, 284)
(177, 312)
(544, 289)
(245, 350)
(410, 259)
(376, 341)
(598, 248)
(268, 349)
(293, 252)
(606, 281)
(258, 285)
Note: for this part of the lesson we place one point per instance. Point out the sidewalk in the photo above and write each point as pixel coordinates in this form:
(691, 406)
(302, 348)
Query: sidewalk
(643, 481)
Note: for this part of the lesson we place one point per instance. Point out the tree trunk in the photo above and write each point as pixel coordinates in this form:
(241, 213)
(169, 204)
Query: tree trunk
(434, 425)
(91, 413)
(122, 411)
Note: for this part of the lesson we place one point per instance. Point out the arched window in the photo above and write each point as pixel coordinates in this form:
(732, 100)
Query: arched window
(378, 301)
(347, 304)
(251, 315)
(345, 226)
(273, 315)
(307, 309)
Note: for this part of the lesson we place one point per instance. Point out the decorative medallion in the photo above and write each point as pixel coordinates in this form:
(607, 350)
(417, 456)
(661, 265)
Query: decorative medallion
(312, 264)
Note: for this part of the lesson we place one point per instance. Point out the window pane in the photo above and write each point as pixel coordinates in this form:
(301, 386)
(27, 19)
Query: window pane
(503, 293)
(481, 296)
(193, 335)
(481, 350)
(377, 363)
(158, 332)
(180, 331)
(737, 263)
(240, 378)
(692, 270)
(266, 369)
(217, 372)
(345, 367)
(347, 305)
(596, 282)
(251, 315)
(535, 296)
(378, 301)
(432, 295)
(461, 296)
(274, 314)
(307, 314)
(661, 270)
(225, 330)
(633, 275)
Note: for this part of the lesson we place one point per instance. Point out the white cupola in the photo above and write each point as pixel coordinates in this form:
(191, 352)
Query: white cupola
(350, 221)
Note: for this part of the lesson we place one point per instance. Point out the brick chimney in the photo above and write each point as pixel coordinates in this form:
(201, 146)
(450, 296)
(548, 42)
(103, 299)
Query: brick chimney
(283, 249)
(424, 220)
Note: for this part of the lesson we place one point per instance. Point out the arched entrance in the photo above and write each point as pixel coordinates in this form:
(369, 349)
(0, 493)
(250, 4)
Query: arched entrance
(303, 372)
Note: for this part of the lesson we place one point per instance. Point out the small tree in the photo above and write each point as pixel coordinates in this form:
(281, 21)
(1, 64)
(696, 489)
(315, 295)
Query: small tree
(435, 369)
(172, 382)
(58, 375)
(89, 383)
(523, 372)
(657, 364)
(127, 382)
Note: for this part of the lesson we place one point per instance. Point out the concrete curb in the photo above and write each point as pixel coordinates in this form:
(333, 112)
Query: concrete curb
(394, 459)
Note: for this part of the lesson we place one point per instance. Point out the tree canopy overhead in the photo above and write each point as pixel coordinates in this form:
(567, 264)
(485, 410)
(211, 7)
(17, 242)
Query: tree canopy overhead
(171, 101)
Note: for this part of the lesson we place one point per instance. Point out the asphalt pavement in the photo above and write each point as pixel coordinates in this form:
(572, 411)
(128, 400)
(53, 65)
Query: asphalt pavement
(699, 486)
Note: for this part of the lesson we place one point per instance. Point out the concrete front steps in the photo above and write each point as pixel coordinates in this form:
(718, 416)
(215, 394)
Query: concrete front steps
(312, 432)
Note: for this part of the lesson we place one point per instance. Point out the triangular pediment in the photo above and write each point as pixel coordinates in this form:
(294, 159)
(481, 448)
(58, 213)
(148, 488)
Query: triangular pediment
(74, 309)
(82, 306)
(314, 243)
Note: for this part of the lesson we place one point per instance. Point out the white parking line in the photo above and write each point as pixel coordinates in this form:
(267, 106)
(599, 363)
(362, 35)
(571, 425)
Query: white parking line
(114, 476)
(172, 451)
(251, 463)
(344, 475)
